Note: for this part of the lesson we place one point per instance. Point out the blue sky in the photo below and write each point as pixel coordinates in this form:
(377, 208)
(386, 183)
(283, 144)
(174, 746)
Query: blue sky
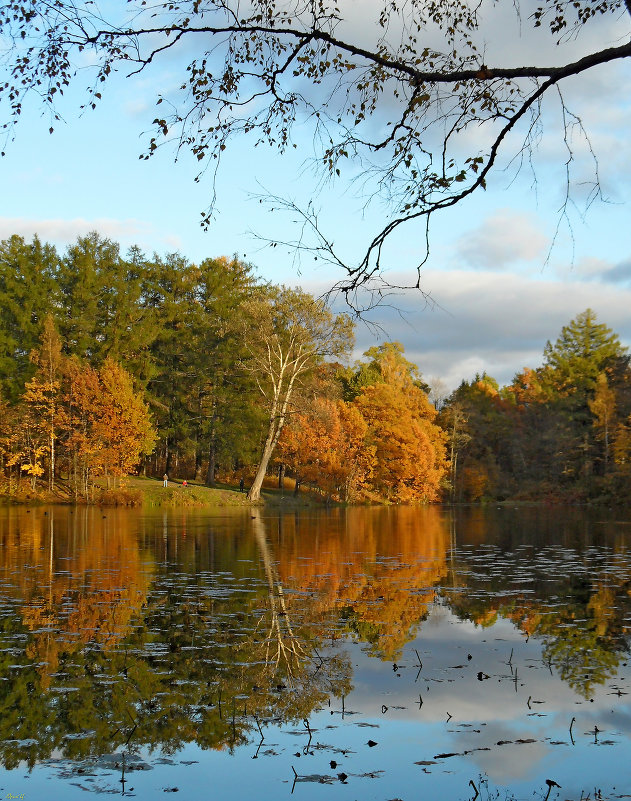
(497, 291)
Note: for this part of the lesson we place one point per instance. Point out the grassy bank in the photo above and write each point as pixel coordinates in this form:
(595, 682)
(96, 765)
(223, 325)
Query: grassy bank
(150, 493)
(176, 494)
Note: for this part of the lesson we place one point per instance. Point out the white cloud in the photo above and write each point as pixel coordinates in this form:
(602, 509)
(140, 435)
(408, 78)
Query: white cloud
(501, 240)
(137, 107)
(485, 321)
(62, 232)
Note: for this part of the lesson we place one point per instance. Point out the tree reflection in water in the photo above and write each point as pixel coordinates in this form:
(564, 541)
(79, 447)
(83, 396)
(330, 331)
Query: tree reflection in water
(124, 632)
(102, 647)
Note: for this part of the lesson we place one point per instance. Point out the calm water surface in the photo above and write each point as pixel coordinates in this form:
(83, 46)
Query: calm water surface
(349, 654)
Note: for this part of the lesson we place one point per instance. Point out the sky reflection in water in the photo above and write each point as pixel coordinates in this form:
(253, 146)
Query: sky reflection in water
(373, 653)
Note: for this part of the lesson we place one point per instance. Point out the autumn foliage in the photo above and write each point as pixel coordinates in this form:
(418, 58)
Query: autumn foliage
(381, 444)
(88, 422)
(328, 447)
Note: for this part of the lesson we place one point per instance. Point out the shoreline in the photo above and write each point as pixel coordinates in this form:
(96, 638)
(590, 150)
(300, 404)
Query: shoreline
(141, 492)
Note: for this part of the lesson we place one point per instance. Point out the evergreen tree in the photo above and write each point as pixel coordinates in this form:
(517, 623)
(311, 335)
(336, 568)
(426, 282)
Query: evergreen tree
(173, 300)
(584, 350)
(227, 421)
(27, 294)
(82, 279)
(478, 428)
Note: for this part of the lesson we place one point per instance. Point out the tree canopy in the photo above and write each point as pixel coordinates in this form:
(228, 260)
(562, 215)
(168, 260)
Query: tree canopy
(558, 431)
(110, 364)
(408, 106)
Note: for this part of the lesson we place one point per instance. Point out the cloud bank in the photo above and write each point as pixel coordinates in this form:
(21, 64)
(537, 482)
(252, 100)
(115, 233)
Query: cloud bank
(62, 232)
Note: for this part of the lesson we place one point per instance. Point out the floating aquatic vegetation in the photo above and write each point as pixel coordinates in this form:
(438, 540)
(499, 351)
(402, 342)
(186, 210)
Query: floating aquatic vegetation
(243, 650)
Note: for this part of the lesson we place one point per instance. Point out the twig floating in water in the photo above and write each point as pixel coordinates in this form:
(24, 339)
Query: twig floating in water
(550, 784)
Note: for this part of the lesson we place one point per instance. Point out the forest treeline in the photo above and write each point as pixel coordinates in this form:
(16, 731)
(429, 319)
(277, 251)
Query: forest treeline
(113, 364)
(559, 432)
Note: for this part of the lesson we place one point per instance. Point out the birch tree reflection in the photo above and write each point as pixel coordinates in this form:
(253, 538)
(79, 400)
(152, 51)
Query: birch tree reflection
(282, 646)
(197, 655)
(307, 677)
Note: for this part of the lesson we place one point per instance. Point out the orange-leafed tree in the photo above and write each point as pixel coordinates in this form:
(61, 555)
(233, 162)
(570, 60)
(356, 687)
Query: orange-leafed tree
(29, 445)
(124, 424)
(42, 394)
(409, 447)
(36, 420)
(327, 447)
(108, 422)
(81, 396)
(603, 408)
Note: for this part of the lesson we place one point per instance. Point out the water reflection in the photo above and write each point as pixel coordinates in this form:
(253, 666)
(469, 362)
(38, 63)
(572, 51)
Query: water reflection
(125, 635)
(570, 588)
(96, 660)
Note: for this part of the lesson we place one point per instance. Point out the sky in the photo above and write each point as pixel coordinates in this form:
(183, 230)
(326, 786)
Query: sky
(505, 273)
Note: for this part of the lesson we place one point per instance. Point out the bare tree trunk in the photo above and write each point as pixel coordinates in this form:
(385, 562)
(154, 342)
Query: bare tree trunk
(276, 422)
(254, 493)
(212, 463)
(51, 477)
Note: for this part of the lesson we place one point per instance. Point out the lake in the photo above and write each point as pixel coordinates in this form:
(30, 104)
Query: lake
(363, 653)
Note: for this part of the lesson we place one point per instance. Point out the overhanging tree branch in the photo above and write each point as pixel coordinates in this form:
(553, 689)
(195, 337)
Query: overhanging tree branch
(398, 104)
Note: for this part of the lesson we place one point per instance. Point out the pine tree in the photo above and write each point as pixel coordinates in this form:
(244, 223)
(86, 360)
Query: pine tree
(584, 350)
(27, 294)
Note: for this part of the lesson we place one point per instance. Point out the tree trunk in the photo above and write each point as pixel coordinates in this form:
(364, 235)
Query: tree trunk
(51, 477)
(168, 463)
(254, 493)
(198, 465)
(212, 464)
(454, 457)
(276, 422)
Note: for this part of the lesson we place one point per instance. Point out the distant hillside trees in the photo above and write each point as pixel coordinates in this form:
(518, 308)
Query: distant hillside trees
(559, 431)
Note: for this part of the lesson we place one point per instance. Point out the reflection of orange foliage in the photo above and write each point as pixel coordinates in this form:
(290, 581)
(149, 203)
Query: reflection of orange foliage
(81, 576)
(529, 622)
(381, 567)
(602, 607)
